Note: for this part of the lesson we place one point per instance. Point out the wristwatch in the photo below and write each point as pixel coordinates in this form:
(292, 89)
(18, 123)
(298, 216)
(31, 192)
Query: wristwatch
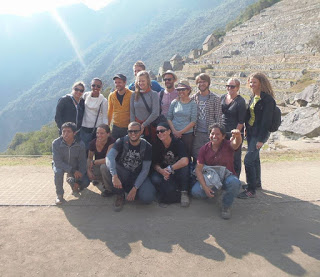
(171, 169)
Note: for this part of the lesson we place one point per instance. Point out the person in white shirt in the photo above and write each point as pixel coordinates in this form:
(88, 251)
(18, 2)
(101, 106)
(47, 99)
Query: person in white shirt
(95, 112)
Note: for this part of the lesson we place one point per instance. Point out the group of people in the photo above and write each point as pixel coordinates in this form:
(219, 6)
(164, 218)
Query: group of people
(151, 143)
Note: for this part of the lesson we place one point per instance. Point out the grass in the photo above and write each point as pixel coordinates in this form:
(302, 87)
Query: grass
(25, 161)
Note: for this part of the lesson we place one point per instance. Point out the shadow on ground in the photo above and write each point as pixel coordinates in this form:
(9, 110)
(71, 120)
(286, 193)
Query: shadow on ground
(269, 226)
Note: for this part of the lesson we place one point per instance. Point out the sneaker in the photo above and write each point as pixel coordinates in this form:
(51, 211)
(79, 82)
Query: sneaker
(74, 186)
(118, 202)
(185, 202)
(247, 194)
(226, 212)
(59, 199)
(106, 193)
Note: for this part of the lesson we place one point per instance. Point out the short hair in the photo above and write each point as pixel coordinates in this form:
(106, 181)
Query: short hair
(70, 125)
(264, 82)
(105, 127)
(218, 126)
(79, 83)
(134, 123)
(204, 77)
(96, 79)
(235, 80)
(140, 64)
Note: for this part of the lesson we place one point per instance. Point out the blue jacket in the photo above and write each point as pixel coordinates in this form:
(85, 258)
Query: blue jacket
(69, 158)
(154, 86)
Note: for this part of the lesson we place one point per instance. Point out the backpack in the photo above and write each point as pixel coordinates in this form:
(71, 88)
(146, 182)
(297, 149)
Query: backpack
(276, 119)
(125, 150)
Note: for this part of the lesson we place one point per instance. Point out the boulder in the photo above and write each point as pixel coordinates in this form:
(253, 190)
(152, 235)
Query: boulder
(310, 96)
(304, 121)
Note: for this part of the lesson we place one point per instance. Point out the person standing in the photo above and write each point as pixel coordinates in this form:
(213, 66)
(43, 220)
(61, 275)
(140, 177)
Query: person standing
(233, 115)
(140, 66)
(145, 106)
(70, 107)
(69, 156)
(209, 112)
(258, 122)
(168, 94)
(119, 107)
(95, 113)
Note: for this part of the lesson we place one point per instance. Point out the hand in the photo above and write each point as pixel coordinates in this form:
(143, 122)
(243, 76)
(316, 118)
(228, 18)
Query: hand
(116, 182)
(209, 192)
(235, 133)
(259, 144)
(90, 174)
(91, 165)
(165, 173)
(77, 174)
(132, 194)
(177, 134)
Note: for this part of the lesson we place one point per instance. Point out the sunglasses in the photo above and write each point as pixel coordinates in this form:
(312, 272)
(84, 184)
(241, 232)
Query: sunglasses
(161, 131)
(78, 89)
(98, 86)
(230, 86)
(182, 89)
(168, 79)
(133, 131)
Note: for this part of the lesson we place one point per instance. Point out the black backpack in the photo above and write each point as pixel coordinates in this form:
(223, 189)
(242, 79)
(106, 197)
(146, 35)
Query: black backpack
(276, 119)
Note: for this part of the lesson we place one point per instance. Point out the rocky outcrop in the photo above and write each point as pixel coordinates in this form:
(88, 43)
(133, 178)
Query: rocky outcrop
(310, 96)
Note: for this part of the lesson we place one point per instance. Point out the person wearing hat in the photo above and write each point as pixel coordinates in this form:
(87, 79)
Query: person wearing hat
(182, 115)
(119, 107)
(168, 94)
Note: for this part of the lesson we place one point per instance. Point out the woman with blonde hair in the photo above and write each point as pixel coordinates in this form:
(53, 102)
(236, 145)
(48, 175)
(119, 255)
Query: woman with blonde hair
(258, 122)
(144, 105)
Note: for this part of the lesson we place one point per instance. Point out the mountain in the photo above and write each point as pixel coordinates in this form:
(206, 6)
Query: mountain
(110, 41)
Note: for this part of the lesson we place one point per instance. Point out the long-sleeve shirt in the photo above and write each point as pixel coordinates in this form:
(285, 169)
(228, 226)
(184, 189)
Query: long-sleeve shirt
(138, 108)
(92, 105)
(213, 109)
(119, 114)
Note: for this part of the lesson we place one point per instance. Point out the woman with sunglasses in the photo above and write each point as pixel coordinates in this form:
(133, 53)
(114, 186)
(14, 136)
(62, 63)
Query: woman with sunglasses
(70, 108)
(96, 112)
(182, 115)
(233, 115)
(145, 106)
(258, 122)
(170, 164)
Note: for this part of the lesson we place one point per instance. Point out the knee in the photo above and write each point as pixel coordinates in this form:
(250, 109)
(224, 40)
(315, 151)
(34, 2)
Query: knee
(196, 190)
(156, 178)
(232, 183)
(147, 192)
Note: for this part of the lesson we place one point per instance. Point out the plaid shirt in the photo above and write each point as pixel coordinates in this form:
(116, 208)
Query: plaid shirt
(213, 109)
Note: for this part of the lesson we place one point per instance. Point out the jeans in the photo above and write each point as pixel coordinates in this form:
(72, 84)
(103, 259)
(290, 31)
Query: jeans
(58, 180)
(118, 132)
(252, 164)
(231, 186)
(170, 190)
(86, 137)
(146, 192)
(199, 140)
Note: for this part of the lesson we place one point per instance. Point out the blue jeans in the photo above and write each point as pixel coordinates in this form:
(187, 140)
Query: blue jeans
(252, 164)
(146, 192)
(118, 132)
(231, 186)
(170, 190)
(58, 180)
(86, 137)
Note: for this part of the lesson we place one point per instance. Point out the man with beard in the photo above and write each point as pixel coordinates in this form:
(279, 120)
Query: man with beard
(168, 94)
(128, 165)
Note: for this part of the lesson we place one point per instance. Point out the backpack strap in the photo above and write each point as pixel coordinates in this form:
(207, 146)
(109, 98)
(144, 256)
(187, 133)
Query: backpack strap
(160, 99)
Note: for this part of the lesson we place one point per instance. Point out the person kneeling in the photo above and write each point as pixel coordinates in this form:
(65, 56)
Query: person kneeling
(69, 156)
(215, 168)
(170, 162)
(128, 164)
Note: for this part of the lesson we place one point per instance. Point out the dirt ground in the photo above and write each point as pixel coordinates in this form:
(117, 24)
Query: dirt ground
(276, 234)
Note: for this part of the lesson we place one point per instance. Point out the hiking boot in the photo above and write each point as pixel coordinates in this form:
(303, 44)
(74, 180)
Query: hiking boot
(226, 212)
(107, 193)
(247, 194)
(74, 186)
(59, 199)
(185, 202)
(118, 202)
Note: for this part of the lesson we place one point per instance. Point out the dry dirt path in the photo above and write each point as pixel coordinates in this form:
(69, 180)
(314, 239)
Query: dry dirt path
(276, 234)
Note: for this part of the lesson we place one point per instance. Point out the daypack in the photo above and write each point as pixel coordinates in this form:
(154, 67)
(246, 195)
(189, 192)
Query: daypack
(125, 150)
(276, 119)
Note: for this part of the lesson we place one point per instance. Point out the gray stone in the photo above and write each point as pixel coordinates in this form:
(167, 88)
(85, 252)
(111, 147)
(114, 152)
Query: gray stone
(304, 121)
(309, 96)
(299, 47)
(242, 75)
(235, 52)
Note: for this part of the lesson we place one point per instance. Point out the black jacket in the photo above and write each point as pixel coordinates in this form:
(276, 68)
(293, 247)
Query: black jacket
(263, 111)
(66, 111)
